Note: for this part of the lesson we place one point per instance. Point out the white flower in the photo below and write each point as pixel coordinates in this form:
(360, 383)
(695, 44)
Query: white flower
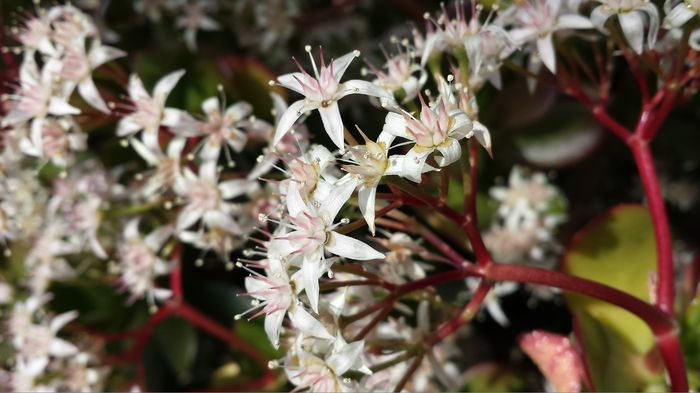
(322, 92)
(400, 76)
(71, 27)
(76, 67)
(277, 293)
(326, 374)
(39, 342)
(372, 163)
(525, 197)
(35, 99)
(291, 143)
(679, 12)
(206, 198)
(400, 264)
(312, 173)
(631, 14)
(35, 34)
(538, 20)
(215, 236)
(223, 128)
(313, 233)
(167, 165)
(150, 111)
(194, 19)
(486, 50)
(57, 139)
(139, 263)
(436, 129)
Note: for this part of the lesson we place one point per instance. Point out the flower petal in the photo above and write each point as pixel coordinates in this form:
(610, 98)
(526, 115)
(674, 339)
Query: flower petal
(290, 116)
(600, 16)
(273, 325)
(311, 272)
(88, 91)
(413, 164)
(239, 111)
(307, 324)
(333, 123)
(357, 86)
(61, 348)
(340, 65)
(344, 360)
(367, 200)
(332, 204)
(545, 48)
(347, 247)
(187, 217)
(166, 84)
(211, 106)
(127, 126)
(136, 89)
(61, 320)
(158, 237)
(573, 21)
(483, 136)
(61, 107)
(100, 54)
(395, 124)
(450, 150)
(291, 81)
(295, 203)
(633, 28)
(237, 187)
(147, 154)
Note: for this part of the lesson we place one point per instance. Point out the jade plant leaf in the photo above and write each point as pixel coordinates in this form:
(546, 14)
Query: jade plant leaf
(618, 250)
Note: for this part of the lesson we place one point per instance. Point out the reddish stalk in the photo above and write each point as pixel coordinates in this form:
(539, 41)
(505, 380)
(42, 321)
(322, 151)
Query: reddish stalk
(662, 232)
(650, 121)
(411, 370)
(465, 315)
(208, 325)
(663, 327)
(183, 310)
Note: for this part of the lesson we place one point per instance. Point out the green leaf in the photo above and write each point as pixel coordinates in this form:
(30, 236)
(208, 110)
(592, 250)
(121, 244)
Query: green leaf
(178, 340)
(492, 377)
(690, 334)
(618, 250)
(254, 333)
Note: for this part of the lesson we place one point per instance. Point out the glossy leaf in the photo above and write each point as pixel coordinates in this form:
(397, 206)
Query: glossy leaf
(617, 249)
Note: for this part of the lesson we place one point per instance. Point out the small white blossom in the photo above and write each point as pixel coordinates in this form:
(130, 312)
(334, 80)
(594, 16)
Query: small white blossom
(321, 92)
(633, 15)
(150, 111)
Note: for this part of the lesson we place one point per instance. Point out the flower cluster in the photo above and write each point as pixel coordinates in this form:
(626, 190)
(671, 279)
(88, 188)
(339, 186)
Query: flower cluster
(529, 211)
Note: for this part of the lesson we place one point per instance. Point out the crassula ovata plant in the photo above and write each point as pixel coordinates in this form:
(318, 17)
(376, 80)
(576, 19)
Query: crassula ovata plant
(347, 220)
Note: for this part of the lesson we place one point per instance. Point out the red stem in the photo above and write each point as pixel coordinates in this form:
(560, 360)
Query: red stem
(664, 328)
(203, 322)
(464, 316)
(176, 283)
(662, 232)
